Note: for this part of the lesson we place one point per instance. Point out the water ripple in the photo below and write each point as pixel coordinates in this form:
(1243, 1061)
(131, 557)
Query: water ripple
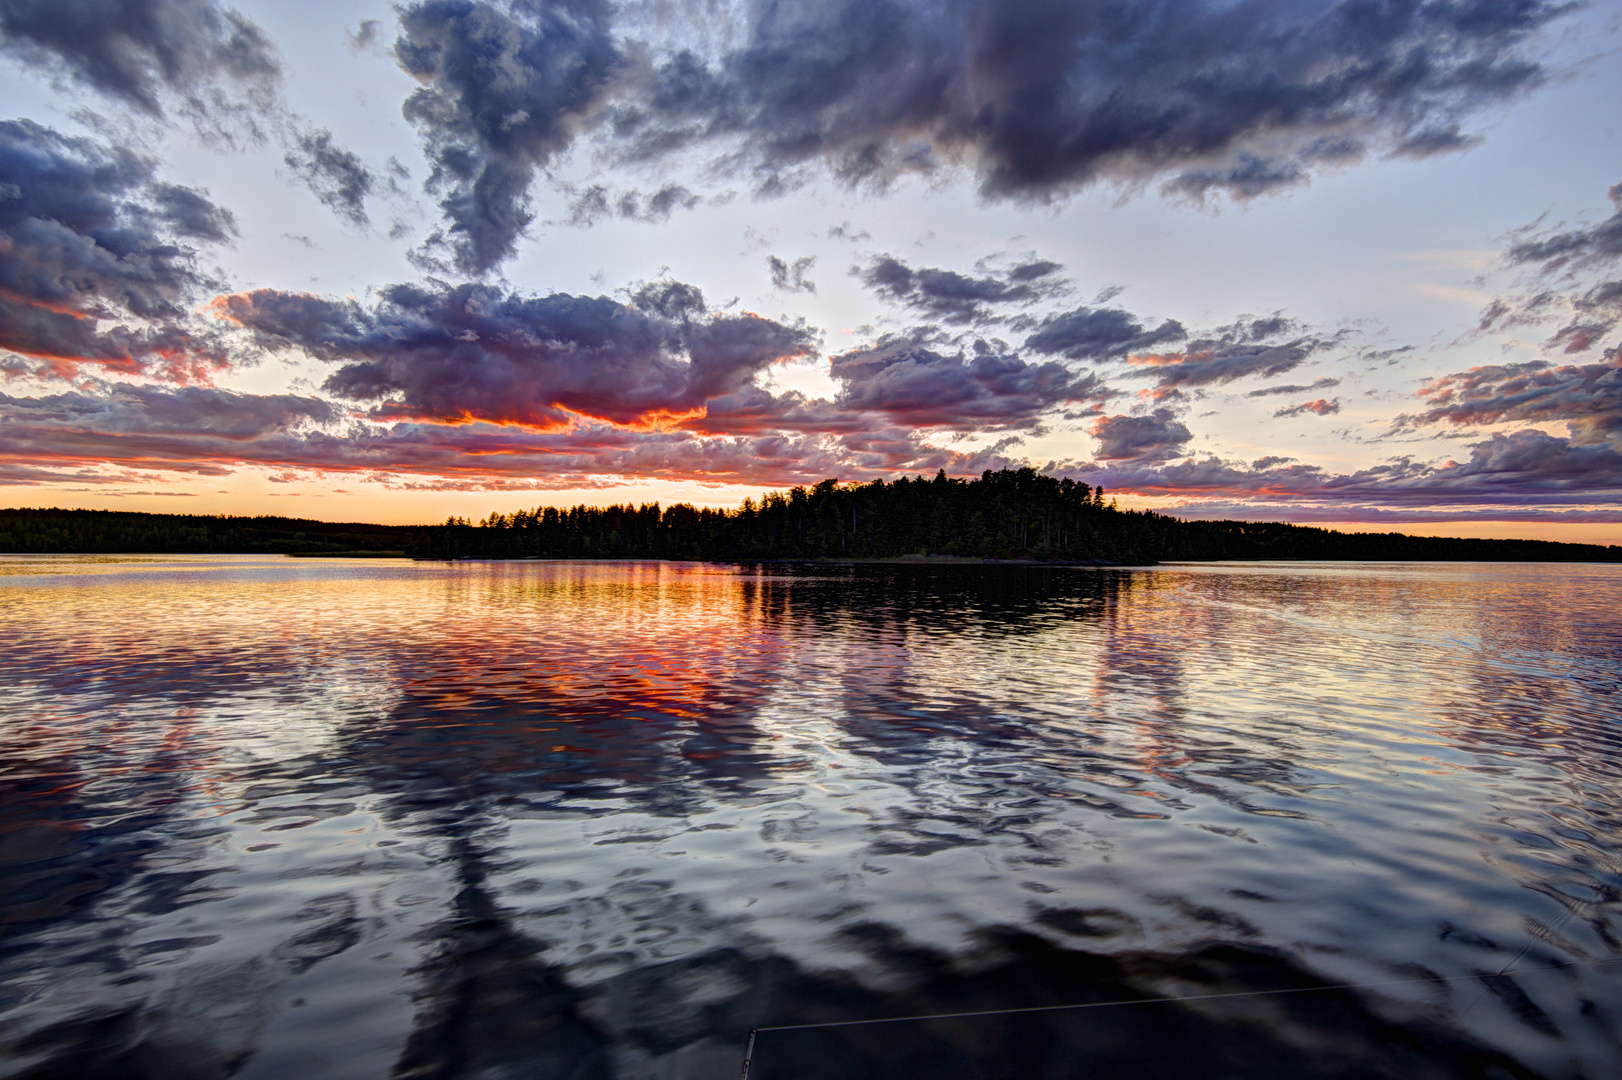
(600, 819)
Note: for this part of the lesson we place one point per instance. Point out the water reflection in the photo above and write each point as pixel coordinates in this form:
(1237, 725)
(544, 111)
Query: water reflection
(600, 819)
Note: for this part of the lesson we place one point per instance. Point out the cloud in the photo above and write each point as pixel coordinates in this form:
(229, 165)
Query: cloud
(986, 388)
(1294, 388)
(1575, 248)
(1268, 347)
(1225, 510)
(1038, 98)
(198, 58)
(789, 278)
(1093, 333)
(1251, 175)
(337, 176)
(1159, 436)
(474, 352)
(1523, 469)
(1595, 313)
(952, 297)
(366, 37)
(505, 87)
(597, 203)
(118, 433)
(671, 299)
(1042, 97)
(590, 206)
(210, 63)
(195, 430)
(662, 202)
(187, 212)
(1568, 293)
(1321, 407)
(95, 270)
(1588, 397)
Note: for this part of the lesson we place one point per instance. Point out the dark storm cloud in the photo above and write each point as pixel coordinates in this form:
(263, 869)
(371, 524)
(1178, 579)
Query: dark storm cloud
(208, 61)
(505, 87)
(1093, 333)
(1267, 347)
(337, 176)
(1320, 407)
(90, 237)
(1158, 436)
(986, 387)
(952, 297)
(1044, 96)
(474, 352)
(1038, 97)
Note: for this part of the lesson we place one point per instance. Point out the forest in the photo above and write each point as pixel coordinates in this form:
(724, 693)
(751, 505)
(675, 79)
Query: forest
(1012, 514)
(128, 533)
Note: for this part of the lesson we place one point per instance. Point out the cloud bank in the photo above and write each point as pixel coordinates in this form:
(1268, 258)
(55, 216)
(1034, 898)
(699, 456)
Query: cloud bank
(1035, 98)
(100, 264)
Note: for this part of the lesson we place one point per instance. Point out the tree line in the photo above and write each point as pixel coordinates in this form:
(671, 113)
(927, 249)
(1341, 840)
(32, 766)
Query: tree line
(1007, 514)
(43, 532)
(1010, 514)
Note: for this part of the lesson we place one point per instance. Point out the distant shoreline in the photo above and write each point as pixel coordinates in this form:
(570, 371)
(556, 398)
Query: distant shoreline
(897, 560)
(903, 560)
(1012, 518)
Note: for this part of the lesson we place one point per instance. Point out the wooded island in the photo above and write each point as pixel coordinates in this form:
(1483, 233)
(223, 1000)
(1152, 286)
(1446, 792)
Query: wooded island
(1011, 514)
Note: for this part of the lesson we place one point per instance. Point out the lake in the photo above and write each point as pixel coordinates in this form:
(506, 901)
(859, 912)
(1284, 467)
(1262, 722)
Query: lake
(266, 817)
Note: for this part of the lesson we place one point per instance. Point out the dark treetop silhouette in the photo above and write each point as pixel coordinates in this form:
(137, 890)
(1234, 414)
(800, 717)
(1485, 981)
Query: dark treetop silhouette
(1011, 514)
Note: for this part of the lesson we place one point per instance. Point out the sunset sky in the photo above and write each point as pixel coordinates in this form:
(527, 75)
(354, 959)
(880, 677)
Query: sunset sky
(1354, 262)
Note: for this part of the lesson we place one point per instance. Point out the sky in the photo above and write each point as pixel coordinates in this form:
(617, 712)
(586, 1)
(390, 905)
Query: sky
(1351, 263)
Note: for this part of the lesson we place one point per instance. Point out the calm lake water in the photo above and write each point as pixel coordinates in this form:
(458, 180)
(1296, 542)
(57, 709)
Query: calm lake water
(329, 818)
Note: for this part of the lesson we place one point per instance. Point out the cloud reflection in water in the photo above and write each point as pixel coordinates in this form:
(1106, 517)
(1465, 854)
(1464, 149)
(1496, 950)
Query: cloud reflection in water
(599, 819)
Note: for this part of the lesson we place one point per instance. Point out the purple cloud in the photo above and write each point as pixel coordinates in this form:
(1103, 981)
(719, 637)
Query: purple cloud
(952, 297)
(474, 352)
(1266, 347)
(91, 237)
(1157, 436)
